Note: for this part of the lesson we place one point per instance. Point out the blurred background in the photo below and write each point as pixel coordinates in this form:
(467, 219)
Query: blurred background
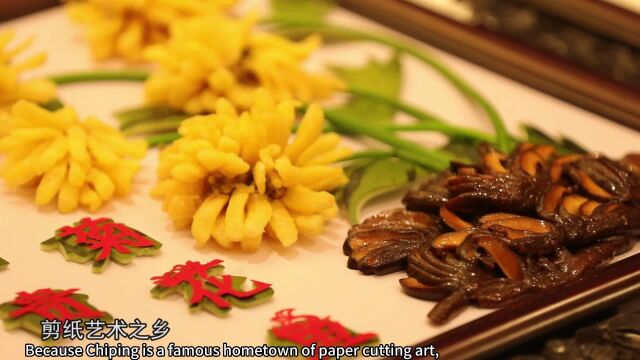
(14, 8)
(586, 52)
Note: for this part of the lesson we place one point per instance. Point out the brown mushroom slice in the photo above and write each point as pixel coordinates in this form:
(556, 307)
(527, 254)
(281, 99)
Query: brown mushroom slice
(493, 161)
(451, 240)
(467, 171)
(382, 251)
(552, 198)
(381, 244)
(522, 223)
(452, 220)
(506, 259)
(512, 234)
(611, 207)
(558, 163)
(415, 288)
(428, 197)
(545, 151)
(469, 251)
(572, 203)
(591, 186)
(480, 194)
(531, 162)
(525, 146)
(397, 219)
(633, 161)
(373, 238)
(495, 217)
(589, 207)
(495, 220)
(384, 257)
(364, 242)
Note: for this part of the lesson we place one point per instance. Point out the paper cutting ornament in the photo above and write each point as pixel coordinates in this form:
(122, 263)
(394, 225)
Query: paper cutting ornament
(304, 330)
(28, 310)
(204, 287)
(100, 240)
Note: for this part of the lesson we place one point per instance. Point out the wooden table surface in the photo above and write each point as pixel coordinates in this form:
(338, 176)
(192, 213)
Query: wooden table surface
(15, 8)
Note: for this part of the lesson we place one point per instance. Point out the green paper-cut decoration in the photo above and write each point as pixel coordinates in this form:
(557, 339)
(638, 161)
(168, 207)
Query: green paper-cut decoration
(204, 287)
(305, 330)
(101, 240)
(28, 310)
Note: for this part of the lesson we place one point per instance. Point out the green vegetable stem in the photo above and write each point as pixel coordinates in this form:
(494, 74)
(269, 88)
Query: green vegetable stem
(504, 141)
(99, 75)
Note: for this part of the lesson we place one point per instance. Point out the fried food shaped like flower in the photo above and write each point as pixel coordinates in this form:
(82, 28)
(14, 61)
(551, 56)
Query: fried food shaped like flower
(12, 86)
(237, 178)
(81, 163)
(211, 57)
(125, 28)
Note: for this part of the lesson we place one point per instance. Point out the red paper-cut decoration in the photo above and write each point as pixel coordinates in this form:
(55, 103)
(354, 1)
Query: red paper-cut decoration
(196, 274)
(305, 330)
(106, 235)
(53, 304)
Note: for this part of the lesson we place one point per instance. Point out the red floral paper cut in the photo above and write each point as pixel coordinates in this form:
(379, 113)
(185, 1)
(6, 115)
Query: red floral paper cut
(305, 330)
(106, 235)
(196, 275)
(53, 304)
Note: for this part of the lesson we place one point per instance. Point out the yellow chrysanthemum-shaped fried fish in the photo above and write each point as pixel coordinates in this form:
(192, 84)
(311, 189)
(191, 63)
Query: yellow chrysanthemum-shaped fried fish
(210, 57)
(81, 163)
(12, 86)
(124, 28)
(238, 178)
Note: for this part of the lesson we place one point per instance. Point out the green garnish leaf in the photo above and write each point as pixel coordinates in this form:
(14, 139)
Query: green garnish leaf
(3, 263)
(314, 10)
(563, 145)
(571, 146)
(381, 77)
(464, 150)
(369, 179)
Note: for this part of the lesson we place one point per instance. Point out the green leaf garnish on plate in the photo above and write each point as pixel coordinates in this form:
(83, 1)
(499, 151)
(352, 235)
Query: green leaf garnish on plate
(563, 144)
(464, 150)
(381, 77)
(369, 179)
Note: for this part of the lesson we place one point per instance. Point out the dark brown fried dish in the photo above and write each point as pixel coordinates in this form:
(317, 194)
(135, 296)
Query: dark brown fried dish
(381, 244)
(489, 233)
